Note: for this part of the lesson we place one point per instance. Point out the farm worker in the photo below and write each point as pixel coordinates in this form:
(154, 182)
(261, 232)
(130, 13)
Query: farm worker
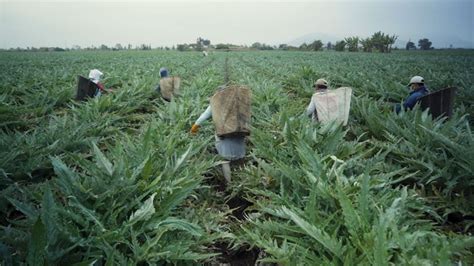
(95, 75)
(231, 148)
(163, 74)
(168, 86)
(321, 85)
(418, 90)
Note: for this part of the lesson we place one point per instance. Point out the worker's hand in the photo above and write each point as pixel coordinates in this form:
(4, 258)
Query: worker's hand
(194, 129)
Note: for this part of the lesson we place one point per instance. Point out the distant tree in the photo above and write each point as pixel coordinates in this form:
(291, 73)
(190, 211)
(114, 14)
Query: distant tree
(383, 42)
(256, 45)
(266, 47)
(303, 47)
(340, 45)
(366, 44)
(352, 43)
(198, 47)
(118, 46)
(182, 47)
(104, 47)
(377, 40)
(390, 41)
(221, 46)
(424, 44)
(329, 46)
(283, 46)
(410, 46)
(316, 45)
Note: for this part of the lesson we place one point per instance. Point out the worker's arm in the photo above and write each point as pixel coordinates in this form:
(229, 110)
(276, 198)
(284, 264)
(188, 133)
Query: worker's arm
(411, 100)
(311, 108)
(204, 116)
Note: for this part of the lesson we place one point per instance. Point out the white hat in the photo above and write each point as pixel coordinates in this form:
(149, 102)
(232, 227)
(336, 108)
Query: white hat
(95, 75)
(321, 82)
(416, 79)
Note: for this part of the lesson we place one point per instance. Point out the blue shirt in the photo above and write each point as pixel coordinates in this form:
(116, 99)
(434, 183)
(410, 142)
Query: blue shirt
(413, 98)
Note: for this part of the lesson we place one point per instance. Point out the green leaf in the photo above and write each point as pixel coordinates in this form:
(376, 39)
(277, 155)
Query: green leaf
(180, 224)
(332, 245)
(144, 212)
(102, 161)
(364, 199)
(5, 255)
(49, 215)
(182, 158)
(26, 209)
(86, 263)
(352, 220)
(37, 244)
(90, 214)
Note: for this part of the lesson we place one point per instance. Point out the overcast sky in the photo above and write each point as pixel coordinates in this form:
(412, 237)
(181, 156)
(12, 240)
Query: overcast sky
(159, 23)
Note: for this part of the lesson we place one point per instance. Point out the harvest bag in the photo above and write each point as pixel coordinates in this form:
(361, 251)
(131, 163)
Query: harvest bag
(169, 87)
(85, 88)
(440, 102)
(231, 111)
(333, 105)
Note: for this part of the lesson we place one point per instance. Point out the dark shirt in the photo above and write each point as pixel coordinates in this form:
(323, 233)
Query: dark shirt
(412, 99)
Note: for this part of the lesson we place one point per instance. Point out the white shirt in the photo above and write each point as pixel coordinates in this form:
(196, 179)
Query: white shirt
(204, 116)
(95, 75)
(311, 109)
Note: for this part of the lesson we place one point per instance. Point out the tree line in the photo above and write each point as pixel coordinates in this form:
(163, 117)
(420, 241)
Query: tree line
(378, 42)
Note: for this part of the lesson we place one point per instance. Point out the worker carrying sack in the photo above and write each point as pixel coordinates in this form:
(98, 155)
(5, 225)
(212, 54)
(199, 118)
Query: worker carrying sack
(333, 105)
(231, 111)
(85, 88)
(169, 87)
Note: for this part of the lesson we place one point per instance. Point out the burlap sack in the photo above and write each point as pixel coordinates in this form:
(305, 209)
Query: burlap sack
(333, 105)
(231, 111)
(169, 87)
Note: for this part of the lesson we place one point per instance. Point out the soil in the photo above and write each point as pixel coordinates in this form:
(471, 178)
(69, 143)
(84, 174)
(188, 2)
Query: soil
(456, 222)
(239, 204)
(240, 257)
(38, 175)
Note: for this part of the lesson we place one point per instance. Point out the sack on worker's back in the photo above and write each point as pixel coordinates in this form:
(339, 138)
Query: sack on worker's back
(169, 87)
(333, 105)
(231, 111)
(85, 88)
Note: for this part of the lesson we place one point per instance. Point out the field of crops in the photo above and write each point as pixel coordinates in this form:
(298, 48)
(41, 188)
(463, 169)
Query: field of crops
(119, 180)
